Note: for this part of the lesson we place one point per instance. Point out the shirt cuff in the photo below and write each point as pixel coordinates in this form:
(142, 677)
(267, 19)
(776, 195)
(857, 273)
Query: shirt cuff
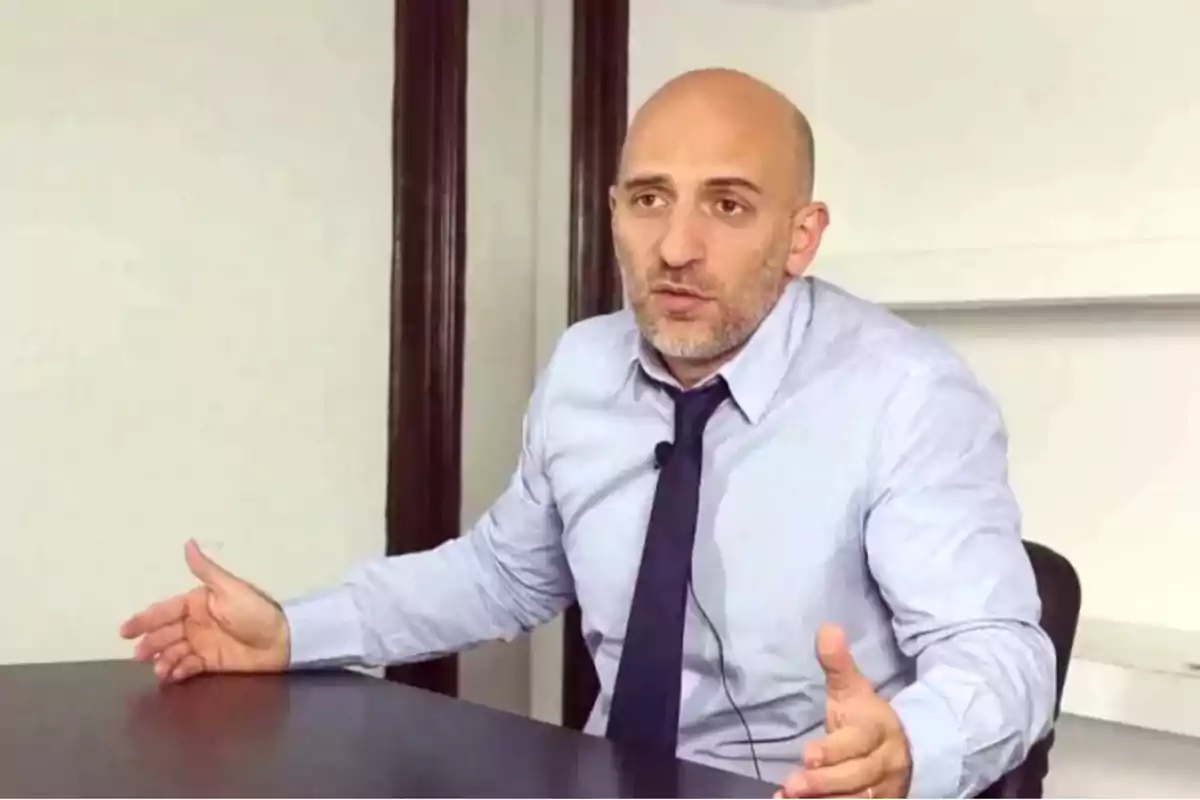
(325, 629)
(934, 741)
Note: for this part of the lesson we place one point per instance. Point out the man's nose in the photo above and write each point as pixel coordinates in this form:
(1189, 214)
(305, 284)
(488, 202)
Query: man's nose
(682, 243)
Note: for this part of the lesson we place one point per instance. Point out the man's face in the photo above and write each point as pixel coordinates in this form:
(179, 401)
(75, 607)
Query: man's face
(705, 215)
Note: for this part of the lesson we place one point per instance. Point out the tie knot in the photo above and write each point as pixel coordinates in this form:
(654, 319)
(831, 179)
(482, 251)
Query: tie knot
(694, 408)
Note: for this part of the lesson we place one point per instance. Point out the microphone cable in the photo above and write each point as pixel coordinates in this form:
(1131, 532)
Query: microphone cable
(724, 678)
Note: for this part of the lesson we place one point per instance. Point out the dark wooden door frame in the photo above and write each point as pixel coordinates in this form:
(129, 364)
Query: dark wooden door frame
(424, 459)
(599, 97)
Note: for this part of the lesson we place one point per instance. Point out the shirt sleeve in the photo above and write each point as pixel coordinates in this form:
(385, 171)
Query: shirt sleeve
(943, 540)
(505, 576)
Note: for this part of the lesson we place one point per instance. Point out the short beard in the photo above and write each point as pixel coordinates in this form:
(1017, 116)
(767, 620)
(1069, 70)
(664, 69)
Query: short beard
(734, 326)
(724, 338)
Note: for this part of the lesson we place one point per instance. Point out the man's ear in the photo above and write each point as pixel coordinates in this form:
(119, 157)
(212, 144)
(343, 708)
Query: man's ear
(807, 229)
(612, 199)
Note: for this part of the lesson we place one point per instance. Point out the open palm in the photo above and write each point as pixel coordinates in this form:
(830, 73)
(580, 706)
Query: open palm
(865, 752)
(223, 625)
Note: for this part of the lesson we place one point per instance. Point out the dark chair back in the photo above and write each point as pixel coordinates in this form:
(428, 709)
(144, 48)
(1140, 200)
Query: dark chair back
(1058, 587)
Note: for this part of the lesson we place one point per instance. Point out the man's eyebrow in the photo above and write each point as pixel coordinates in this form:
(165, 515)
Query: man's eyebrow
(733, 182)
(644, 182)
(719, 182)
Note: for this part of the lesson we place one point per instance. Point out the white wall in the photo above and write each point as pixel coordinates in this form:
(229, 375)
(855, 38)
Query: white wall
(1101, 759)
(518, 124)
(194, 278)
(552, 222)
(762, 38)
(498, 347)
(195, 228)
(997, 152)
(194, 272)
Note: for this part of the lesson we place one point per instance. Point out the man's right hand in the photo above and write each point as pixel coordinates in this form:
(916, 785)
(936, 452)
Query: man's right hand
(223, 625)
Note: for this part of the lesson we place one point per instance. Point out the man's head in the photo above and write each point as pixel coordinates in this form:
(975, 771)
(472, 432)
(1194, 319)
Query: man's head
(713, 213)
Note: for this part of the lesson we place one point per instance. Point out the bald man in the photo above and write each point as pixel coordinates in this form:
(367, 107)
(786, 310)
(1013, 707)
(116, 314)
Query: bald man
(783, 511)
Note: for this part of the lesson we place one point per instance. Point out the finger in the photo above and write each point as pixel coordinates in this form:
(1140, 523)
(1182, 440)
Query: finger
(204, 568)
(169, 659)
(190, 667)
(852, 777)
(842, 677)
(156, 616)
(157, 640)
(852, 741)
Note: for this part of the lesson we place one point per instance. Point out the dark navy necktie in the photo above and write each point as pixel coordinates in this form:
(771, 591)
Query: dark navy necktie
(645, 704)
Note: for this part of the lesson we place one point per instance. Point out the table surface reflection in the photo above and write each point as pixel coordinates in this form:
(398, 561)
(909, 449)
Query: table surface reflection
(104, 728)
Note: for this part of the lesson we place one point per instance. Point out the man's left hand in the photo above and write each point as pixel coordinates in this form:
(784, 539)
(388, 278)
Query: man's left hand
(865, 752)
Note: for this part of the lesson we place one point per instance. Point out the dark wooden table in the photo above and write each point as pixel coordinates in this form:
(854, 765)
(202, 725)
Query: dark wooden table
(101, 729)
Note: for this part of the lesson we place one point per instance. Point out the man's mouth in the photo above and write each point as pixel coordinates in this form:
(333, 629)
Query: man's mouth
(677, 299)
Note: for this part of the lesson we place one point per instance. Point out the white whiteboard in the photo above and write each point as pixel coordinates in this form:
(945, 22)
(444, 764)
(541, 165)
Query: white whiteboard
(991, 152)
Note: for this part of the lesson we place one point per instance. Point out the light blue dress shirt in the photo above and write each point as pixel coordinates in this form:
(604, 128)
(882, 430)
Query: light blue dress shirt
(858, 476)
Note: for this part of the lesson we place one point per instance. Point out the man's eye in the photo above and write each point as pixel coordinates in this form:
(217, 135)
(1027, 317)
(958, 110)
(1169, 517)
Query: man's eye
(648, 200)
(729, 208)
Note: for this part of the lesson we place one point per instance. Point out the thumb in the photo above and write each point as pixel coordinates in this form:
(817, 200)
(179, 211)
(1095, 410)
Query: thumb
(842, 677)
(205, 569)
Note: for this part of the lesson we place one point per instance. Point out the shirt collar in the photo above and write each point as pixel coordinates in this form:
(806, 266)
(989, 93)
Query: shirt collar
(756, 372)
